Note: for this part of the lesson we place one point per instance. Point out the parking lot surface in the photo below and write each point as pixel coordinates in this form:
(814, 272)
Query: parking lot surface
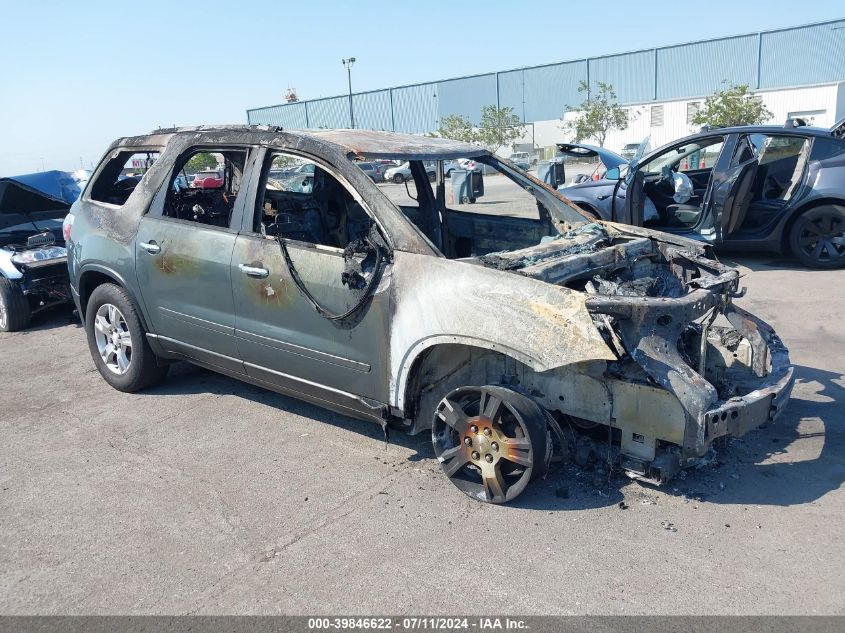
(206, 495)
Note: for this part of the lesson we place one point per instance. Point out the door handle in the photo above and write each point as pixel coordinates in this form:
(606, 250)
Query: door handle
(151, 247)
(254, 271)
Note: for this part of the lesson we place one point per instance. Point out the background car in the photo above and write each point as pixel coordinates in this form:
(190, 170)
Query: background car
(373, 170)
(749, 188)
(403, 172)
(208, 180)
(521, 160)
(629, 150)
(33, 258)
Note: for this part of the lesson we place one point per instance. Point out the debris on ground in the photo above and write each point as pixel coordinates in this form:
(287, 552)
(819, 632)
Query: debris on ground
(708, 459)
(623, 505)
(670, 527)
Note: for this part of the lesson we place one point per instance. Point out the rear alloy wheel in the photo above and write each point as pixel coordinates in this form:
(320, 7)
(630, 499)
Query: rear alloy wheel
(14, 307)
(398, 179)
(117, 341)
(817, 238)
(490, 441)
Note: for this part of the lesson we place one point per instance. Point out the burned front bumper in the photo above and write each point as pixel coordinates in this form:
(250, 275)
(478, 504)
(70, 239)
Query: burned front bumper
(653, 331)
(742, 413)
(45, 284)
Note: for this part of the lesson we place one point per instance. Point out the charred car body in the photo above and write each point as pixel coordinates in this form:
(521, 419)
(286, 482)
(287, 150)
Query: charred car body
(33, 268)
(491, 331)
(749, 188)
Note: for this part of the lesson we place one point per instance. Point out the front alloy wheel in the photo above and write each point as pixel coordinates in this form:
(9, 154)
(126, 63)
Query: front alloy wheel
(114, 341)
(490, 441)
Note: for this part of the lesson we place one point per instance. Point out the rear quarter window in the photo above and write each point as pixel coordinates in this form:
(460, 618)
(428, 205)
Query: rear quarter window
(827, 148)
(120, 174)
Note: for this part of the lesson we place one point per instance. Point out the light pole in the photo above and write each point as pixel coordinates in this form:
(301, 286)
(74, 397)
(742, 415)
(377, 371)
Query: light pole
(348, 64)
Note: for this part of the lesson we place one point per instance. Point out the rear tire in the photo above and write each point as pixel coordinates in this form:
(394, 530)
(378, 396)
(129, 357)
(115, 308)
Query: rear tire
(112, 323)
(14, 307)
(817, 237)
(398, 179)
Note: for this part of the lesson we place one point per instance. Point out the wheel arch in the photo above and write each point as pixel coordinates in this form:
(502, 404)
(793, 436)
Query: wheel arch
(448, 355)
(94, 275)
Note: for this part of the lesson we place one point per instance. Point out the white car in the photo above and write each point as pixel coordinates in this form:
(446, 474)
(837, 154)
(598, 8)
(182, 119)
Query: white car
(403, 172)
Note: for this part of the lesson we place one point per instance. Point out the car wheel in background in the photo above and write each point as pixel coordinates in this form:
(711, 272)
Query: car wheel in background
(398, 179)
(490, 441)
(118, 342)
(14, 308)
(817, 237)
(432, 176)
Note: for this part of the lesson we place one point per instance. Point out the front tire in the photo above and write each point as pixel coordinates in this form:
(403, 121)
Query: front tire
(490, 441)
(118, 342)
(817, 238)
(14, 308)
(398, 179)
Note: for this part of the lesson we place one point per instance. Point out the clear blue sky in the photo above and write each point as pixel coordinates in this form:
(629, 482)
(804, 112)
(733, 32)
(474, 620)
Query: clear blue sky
(77, 75)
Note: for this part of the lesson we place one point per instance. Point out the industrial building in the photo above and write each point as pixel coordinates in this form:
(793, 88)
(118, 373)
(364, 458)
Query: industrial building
(797, 71)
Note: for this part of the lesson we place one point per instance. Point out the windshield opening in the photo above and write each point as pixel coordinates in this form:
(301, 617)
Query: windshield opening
(474, 205)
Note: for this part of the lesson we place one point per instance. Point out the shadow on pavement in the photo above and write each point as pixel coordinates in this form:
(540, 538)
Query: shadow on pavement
(761, 261)
(736, 476)
(58, 316)
(184, 378)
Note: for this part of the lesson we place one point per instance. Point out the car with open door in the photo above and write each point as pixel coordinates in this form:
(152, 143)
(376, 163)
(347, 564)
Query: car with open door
(492, 327)
(750, 188)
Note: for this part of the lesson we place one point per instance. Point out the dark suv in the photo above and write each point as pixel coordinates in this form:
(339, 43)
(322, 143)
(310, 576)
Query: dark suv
(749, 188)
(491, 329)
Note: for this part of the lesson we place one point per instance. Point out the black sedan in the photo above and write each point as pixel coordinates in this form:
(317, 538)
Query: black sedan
(750, 188)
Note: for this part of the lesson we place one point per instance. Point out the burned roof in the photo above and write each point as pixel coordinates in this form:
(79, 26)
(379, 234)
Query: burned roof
(361, 143)
(374, 144)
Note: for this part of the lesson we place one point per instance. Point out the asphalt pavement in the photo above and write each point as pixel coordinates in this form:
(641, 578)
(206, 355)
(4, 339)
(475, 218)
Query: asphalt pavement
(207, 495)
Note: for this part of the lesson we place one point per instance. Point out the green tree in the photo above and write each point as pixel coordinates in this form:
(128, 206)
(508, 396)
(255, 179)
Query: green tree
(500, 127)
(457, 128)
(201, 162)
(735, 105)
(598, 114)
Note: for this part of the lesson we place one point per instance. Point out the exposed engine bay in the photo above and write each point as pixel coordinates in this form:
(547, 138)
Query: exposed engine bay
(666, 311)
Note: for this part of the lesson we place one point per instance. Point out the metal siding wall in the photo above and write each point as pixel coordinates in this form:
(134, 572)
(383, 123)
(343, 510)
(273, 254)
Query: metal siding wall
(329, 113)
(631, 74)
(805, 55)
(550, 89)
(291, 115)
(510, 92)
(466, 96)
(699, 69)
(798, 56)
(372, 110)
(415, 108)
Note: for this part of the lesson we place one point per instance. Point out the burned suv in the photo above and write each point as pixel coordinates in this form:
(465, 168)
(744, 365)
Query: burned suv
(492, 325)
